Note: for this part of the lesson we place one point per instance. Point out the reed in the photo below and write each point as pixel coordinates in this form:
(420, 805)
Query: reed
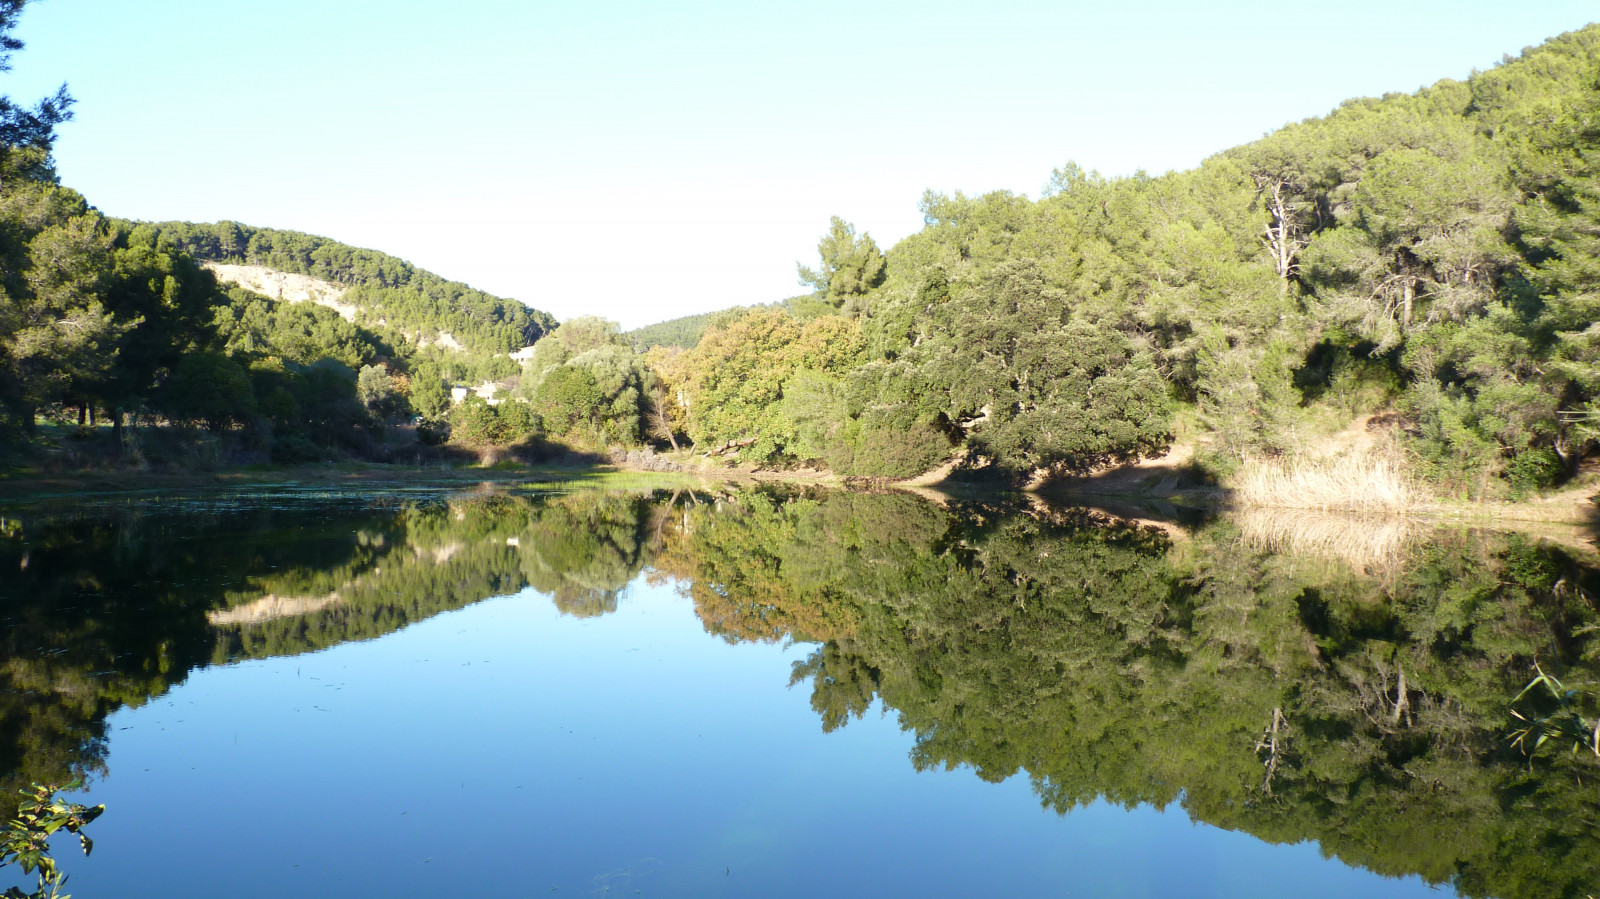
(1369, 480)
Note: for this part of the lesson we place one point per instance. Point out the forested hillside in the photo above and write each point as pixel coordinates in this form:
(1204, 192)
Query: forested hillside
(1430, 255)
(111, 320)
(390, 293)
(106, 320)
(682, 333)
(116, 320)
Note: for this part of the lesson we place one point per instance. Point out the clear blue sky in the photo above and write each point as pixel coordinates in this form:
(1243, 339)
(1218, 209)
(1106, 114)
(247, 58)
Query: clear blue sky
(647, 160)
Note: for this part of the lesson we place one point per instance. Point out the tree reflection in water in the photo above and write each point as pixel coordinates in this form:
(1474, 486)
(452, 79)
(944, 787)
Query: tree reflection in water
(1299, 680)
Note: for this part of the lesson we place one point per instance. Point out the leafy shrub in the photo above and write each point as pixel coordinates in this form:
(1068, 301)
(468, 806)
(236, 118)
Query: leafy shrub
(294, 449)
(1532, 469)
(891, 443)
(380, 393)
(433, 431)
(208, 388)
(475, 422)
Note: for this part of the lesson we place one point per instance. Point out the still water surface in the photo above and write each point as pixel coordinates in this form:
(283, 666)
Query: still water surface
(778, 693)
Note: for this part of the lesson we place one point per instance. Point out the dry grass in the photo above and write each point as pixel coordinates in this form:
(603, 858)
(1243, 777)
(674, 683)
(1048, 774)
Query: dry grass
(1369, 479)
(1356, 506)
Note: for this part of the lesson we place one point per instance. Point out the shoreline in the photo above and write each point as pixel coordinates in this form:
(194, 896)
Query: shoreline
(1573, 506)
(29, 487)
(1569, 519)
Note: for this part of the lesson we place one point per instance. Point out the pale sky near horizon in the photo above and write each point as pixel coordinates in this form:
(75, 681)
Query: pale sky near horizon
(643, 161)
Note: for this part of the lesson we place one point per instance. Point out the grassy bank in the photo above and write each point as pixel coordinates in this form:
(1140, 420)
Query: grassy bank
(1377, 481)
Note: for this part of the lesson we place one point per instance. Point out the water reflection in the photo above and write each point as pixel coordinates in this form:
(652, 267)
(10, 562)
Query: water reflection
(1291, 678)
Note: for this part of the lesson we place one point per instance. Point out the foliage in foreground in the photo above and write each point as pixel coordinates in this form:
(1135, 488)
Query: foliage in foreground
(25, 841)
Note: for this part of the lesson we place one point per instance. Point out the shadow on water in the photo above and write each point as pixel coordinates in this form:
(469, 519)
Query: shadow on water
(1293, 677)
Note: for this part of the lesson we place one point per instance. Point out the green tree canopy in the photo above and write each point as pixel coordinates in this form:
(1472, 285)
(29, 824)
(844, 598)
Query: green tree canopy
(850, 266)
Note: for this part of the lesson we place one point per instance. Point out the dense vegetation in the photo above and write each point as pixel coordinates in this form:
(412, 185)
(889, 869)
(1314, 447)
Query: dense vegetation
(682, 333)
(103, 320)
(1432, 255)
(1428, 255)
(685, 333)
(114, 320)
(1293, 696)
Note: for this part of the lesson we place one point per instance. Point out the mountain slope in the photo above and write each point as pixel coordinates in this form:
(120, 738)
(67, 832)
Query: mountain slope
(1429, 259)
(681, 332)
(685, 331)
(385, 291)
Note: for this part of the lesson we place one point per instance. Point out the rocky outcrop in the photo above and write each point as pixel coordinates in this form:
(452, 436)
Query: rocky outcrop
(286, 286)
(292, 288)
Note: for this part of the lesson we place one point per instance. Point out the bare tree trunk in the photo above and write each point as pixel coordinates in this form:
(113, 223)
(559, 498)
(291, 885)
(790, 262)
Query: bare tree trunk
(660, 424)
(1281, 213)
(1407, 297)
(1281, 238)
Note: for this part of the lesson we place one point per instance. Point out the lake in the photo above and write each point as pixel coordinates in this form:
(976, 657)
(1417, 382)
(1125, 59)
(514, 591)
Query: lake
(765, 691)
